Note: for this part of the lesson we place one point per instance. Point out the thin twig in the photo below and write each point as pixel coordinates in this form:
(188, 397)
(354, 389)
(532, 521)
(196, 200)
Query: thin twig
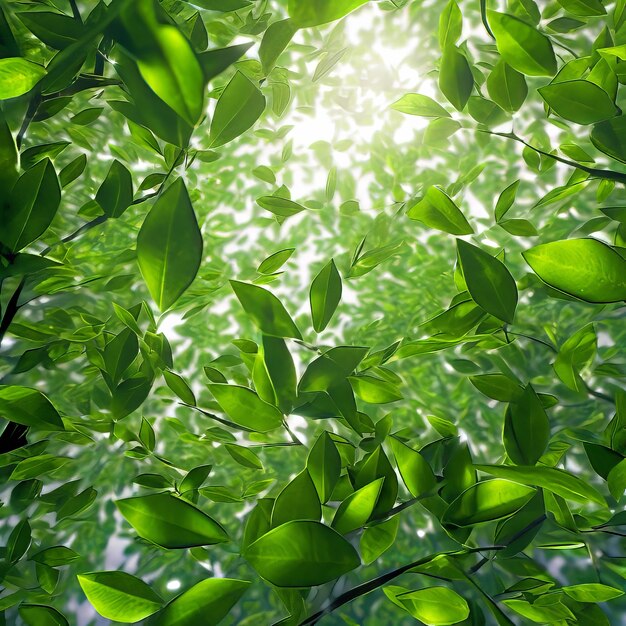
(535, 339)
(592, 171)
(12, 309)
(75, 10)
(294, 437)
(33, 105)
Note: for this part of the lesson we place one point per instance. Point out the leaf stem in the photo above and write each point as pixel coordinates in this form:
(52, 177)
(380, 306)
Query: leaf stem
(33, 105)
(592, 171)
(75, 10)
(225, 422)
(535, 339)
(294, 438)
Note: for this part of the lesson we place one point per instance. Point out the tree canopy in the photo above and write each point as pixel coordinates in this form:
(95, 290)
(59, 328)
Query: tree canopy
(312, 311)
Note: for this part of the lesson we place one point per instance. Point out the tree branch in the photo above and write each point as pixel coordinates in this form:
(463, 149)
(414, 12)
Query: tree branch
(375, 583)
(12, 309)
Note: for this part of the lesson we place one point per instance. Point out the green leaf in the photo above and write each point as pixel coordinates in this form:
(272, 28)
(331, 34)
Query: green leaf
(325, 295)
(119, 596)
(297, 501)
(214, 62)
(207, 603)
(28, 407)
(555, 480)
(265, 310)
(450, 25)
(275, 40)
(31, 207)
(165, 59)
(538, 612)
(587, 269)
(583, 8)
(435, 606)
(437, 210)
(371, 259)
(378, 538)
(324, 466)
(357, 508)
(243, 456)
(526, 429)
(78, 504)
(336, 363)
(574, 355)
(72, 170)
(374, 390)
(129, 395)
(147, 109)
(8, 153)
(238, 108)
(301, 554)
(486, 112)
(579, 101)
(327, 63)
(305, 13)
(275, 261)
(505, 200)
(244, 407)
(487, 501)
(178, 385)
(55, 556)
(376, 465)
(31, 156)
(610, 137)
(414, 469)
(456, 80)
(439, 131)
(488, 281)
(519, 227)
(498, 387)
(170, 522)
(18, 76)
(521, 45)
(282, 207)
(115, 194)
(38, 465)
(195, 478)
(265, 174)
(616, 480)
(54, 29)
(443, 426)
(592, 592)
(517, 532)
(87, 116)
(274, 373)
(224, 6)
(41, 615)
(507, 87)
(169, 246)
(18, 541)
(417, 104)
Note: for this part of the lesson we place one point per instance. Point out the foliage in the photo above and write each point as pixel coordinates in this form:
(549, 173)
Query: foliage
(313, 310)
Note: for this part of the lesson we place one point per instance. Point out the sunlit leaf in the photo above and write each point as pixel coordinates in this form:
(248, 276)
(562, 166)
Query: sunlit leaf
(169, 246)
(301, 554)
(170, 522)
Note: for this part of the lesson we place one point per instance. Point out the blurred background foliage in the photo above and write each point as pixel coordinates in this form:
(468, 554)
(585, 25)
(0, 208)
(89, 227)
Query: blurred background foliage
(329, 136)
